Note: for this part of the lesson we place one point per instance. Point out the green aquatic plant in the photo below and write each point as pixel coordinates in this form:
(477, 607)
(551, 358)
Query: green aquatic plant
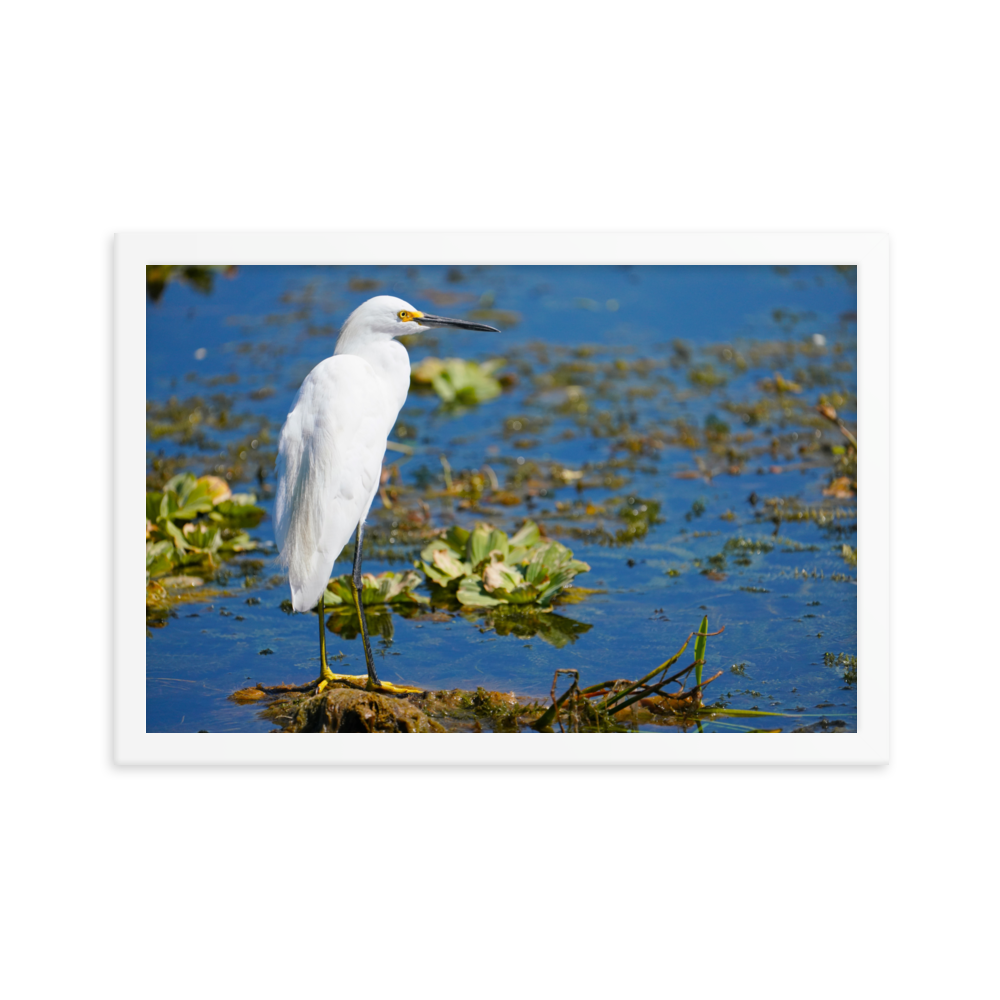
(503, 318)
(700, 643)
(196, 522)
(598, 707)
(753, 546)
(381, 595)
(385, 588)
(639, 516)
(697, 509)
(846, 660)
(849, 554)
(485, 568)
(779, 384)
(458, 382)
(610, 706)
(200, 277)
(706, 377)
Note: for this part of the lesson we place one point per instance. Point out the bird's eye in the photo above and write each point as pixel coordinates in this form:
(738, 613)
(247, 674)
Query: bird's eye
(405, 316)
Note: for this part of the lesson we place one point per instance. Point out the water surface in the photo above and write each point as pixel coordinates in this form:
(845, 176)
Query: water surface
(657, 383)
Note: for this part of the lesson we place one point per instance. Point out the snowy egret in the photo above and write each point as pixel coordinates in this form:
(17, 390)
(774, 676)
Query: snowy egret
(331, 449)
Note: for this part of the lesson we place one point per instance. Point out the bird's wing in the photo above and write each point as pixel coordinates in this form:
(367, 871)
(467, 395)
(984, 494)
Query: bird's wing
(329, 461)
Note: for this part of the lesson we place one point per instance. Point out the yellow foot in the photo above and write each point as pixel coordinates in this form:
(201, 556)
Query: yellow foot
(362, 680)
(396, 688)
(327, 676)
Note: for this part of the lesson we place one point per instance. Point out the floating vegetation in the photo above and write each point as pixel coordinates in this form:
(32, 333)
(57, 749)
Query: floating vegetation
(659, 698)
(582, 437)
(405, 523)
(846, 660)
(726, 354)
(380, 594)
(208, 424)
(841, 487)
(621, 705)
(824, 726)
(778, 509)
(639, 516)
(386, 588)
(458, 382)
(524, 424)
(790, 545)
(484, 568)
(706, 377)
(805, 572)
(472, 487)
(194, 524)
(648, 445)
(363, 284)
(753, 413)
(503, 318)
(749, 546)
(187, 421)
(716, 429)
(200, 277)
(779, 384)
(697, 509)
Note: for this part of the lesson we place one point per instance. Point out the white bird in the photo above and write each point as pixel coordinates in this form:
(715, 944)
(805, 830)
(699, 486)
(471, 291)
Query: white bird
(331, 450)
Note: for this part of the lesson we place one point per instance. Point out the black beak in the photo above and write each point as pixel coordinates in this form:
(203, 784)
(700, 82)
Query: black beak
(458, 324)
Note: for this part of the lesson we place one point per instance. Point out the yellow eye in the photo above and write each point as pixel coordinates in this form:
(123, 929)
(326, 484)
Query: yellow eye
(405, 316)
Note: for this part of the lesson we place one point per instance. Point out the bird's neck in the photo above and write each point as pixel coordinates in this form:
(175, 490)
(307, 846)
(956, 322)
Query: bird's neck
(389, 361)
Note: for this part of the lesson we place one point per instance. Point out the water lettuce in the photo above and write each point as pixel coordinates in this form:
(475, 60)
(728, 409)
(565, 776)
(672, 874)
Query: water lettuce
(485, 568)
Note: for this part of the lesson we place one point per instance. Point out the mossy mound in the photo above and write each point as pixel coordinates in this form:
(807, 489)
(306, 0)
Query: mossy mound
(348, 710)
(345, 707)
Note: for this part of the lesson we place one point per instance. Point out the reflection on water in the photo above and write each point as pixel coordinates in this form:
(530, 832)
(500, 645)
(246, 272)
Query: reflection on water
(554, 628)
(346, 624)
(525, 623)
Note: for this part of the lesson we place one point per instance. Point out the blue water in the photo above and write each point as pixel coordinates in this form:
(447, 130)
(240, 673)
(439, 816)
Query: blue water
(266, 327)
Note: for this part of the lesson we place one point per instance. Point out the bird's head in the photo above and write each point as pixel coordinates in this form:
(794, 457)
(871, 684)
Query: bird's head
(386, 315)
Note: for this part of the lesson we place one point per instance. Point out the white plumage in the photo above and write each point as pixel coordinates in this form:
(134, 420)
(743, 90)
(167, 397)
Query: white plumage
(332, 445)
(329, 462)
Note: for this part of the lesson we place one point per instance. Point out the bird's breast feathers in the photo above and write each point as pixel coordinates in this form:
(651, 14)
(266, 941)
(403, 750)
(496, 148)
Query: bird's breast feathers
(330, 456)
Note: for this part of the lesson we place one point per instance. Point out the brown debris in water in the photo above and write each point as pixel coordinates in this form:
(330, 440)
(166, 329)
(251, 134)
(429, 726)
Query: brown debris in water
(345, 708)
(247, 696)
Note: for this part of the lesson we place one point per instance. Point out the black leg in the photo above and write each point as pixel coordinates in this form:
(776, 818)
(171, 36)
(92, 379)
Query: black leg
(356, 589)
